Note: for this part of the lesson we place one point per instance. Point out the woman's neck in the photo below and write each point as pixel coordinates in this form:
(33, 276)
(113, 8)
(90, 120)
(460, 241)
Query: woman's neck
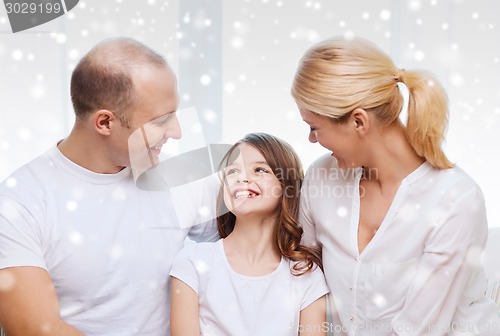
(392, 157)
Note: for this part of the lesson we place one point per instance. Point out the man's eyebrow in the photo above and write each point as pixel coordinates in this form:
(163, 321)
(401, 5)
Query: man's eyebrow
(171, 112)
(163, 116)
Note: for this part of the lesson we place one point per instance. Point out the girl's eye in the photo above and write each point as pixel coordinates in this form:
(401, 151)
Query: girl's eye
(231, 171)
(312, 129)
(261, 170)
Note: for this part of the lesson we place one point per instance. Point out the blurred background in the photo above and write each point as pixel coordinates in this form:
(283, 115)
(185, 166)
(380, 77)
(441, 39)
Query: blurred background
(235, 61)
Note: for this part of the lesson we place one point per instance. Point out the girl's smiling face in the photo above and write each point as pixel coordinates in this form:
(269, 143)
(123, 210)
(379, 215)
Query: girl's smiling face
(250, 186)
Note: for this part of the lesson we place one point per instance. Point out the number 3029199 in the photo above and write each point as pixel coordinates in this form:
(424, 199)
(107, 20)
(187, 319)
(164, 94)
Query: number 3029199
(32, 8)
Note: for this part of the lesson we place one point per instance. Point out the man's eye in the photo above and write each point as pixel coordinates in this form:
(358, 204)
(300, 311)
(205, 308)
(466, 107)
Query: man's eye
(162, 120)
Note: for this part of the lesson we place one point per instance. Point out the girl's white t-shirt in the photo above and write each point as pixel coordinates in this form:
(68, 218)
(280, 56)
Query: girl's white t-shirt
(235, 304)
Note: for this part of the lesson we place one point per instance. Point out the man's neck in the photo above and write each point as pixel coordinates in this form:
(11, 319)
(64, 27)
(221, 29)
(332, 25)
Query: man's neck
(86, 151)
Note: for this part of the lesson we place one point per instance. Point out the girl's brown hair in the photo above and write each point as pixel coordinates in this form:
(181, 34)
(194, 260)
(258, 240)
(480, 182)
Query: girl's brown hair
(287, 167)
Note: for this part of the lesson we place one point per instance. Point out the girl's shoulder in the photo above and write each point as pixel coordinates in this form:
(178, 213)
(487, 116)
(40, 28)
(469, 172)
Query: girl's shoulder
(315, 272)
(192, 249)
(311, 283)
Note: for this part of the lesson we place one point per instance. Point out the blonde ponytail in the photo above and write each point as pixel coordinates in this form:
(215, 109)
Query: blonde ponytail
(427, 116)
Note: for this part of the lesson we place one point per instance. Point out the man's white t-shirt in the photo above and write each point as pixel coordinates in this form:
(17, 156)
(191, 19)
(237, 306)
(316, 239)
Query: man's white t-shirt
(235, 304)
(107, 245)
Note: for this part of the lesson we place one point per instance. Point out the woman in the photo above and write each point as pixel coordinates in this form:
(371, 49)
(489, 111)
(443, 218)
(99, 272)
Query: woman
(401, 229)
(258, 279)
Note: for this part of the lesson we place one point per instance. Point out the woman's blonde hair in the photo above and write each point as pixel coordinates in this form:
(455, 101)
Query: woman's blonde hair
(337, 76)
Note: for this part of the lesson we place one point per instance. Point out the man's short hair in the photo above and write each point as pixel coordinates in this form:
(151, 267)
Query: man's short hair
(103, 77)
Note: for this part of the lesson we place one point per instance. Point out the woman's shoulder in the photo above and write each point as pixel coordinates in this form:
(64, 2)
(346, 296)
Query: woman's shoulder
(326, 168)
(324, 161)
(451, 190)
(455, 181)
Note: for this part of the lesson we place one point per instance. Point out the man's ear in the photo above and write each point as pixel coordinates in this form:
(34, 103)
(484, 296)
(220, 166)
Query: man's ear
(103, 121)
(361, 121)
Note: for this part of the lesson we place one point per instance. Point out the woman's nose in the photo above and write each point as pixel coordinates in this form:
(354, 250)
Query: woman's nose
(312, 137)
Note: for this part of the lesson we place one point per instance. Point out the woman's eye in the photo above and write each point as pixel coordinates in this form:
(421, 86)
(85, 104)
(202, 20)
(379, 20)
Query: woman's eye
(312, 129)
(261, 170)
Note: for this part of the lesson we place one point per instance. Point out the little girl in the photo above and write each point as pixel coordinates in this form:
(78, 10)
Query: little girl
(257, 279)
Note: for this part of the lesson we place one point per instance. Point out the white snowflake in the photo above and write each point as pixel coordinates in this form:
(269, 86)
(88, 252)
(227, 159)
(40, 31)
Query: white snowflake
(11, 182)
(7, 281)
(71, 205)
(342, 212)
(237, 43)
(229, 87)
(419, 55)
(38, 91)
(414, 5)
(205, 79)
(17, 55)
(76, 238)
(385, 14)
(211, 117)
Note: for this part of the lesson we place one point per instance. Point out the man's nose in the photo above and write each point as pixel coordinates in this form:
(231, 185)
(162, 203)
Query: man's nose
(174, 129)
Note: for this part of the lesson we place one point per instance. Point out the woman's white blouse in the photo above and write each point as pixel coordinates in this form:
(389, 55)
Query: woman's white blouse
(421, 274)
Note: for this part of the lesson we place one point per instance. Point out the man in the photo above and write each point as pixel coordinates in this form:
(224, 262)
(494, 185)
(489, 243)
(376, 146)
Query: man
(83, 250)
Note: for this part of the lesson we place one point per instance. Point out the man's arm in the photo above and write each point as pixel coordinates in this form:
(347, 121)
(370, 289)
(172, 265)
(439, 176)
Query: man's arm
(196, 207)
(29, 304)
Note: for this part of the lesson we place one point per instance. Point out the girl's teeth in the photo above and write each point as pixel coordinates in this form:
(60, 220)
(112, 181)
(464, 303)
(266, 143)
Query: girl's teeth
(244, 194)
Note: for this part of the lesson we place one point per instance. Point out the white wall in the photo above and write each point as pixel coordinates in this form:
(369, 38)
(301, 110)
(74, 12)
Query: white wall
(261, 43)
